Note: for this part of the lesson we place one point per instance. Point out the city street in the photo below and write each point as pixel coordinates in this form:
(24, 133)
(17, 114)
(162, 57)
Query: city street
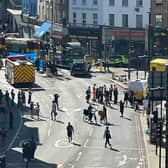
(87, 150)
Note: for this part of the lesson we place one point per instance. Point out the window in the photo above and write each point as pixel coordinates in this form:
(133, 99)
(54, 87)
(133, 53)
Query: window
(74, 17)
(159, 2)
(83, 2)
(125, 20)
(95, 18)
(158, 20)
(139, 3)
(84, 18)
(139, 21)
(124, 2)
(95, 2)
(111, 2)
(74, 2)
(111, 20)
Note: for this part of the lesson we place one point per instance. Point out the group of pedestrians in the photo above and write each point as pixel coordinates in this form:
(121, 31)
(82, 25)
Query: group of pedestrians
(102, 94)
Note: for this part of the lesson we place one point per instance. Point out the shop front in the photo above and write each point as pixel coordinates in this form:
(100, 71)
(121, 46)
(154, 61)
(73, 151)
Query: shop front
(90, 39)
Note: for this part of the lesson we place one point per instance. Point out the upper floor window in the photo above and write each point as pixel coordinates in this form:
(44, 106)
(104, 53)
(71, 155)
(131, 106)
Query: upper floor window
(74, 17)
(111, 2)
(95, 2)
(124, 2)
(139, 3)
(84, 18)
(83, 2)
(73, 2)
(111, 20)
(95, 18)
(158, 20)
(158, 2)
(125, 20)
(139, 21)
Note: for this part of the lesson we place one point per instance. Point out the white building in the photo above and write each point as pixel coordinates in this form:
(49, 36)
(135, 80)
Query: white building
(115, 13)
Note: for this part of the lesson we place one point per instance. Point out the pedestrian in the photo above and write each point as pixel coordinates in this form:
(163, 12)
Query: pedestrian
(105, 114)
(111, 92)
(53, 110)
(121, 107)
(31, 109)
(70, 131)
(136, 106)
(126, 98)
(90, 114)
(37, 109)
(88, 94)
(19, 98)
(107, 136)
(33, 147)
(29, 96)
(56, 96)
(115, 92)
(7, 97)
(94, 92)
(12, 96)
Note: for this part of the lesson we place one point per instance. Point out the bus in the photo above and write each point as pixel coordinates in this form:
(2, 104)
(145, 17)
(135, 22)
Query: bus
(22, 45)
(72, 51)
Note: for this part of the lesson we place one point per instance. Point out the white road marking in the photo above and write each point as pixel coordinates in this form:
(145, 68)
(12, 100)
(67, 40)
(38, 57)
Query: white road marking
(50, 123)
(78, 109)
(64, 109)
(73, 166)
(123, 161)
(85, 142)
(91, 132)
(63, 143)
(79, 155)
(49, 131)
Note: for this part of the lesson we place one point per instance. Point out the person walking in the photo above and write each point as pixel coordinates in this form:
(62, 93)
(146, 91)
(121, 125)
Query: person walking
(37, 110)
(29, 96)
(121, 108)
(126, 98)
(7, 97)
(111, 92)
(88, 94)
(33, 147)
(115, 92)
(105, 114)
(107, 136)
(70, 131)
(56, 96)
(31, 109)
(53, 110)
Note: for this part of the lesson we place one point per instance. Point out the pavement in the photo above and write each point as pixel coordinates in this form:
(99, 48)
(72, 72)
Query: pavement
(153, 160)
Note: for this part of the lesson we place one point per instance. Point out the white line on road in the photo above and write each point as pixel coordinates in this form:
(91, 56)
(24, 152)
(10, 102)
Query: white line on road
(50, 123)
(85, 142)
(79, 155)
(91, 132)
(124, 161)
(49, 131)
(73, 166)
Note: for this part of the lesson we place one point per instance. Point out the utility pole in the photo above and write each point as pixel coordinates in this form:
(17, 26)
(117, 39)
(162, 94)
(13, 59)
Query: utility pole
(166, 160)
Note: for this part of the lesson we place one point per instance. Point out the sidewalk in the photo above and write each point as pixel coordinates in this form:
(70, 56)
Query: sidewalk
(6, 141)
(153, 159)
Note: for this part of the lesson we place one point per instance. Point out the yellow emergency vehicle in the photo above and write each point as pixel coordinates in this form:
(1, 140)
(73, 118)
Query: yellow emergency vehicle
(19, 70)
(158, 64)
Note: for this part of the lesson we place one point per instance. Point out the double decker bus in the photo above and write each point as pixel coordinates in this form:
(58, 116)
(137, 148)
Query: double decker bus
(22, 45)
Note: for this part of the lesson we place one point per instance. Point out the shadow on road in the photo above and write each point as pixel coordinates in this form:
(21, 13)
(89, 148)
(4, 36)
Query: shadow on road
(61, 122)
(129, 119)
(116, 150)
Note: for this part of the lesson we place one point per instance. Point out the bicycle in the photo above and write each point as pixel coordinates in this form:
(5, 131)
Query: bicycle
(87, 117)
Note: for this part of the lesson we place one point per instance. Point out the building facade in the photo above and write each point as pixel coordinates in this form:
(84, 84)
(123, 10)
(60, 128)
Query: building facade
(159, 13)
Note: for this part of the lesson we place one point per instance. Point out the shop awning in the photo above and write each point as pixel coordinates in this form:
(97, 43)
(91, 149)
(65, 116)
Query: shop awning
(42, 30)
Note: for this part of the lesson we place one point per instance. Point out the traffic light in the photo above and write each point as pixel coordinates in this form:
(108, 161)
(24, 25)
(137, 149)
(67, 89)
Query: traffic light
(158, 129)
(3, 161)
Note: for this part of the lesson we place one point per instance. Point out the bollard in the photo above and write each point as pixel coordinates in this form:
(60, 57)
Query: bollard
(113, 75)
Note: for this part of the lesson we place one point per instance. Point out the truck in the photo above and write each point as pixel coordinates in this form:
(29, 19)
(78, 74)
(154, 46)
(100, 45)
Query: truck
(19, 70)
(79, 67)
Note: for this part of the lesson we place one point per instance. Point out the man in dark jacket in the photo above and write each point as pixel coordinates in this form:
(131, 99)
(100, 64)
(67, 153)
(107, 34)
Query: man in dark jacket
(70, 131)
(107, 136)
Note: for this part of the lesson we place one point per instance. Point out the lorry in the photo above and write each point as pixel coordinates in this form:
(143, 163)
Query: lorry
(79, 67)
(19, 70)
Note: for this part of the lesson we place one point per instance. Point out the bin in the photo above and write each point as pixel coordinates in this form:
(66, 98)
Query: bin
(113, 75)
